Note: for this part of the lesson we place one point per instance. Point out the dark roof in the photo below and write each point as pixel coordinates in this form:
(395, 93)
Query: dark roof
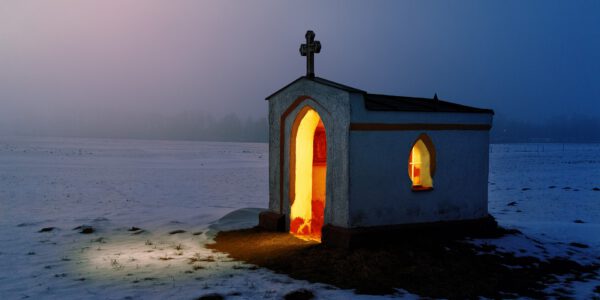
(399, 103)
(378, 102)
(321, 81)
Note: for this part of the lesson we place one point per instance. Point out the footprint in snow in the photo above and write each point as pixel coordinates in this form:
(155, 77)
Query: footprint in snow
(46, 229)
(578, 245)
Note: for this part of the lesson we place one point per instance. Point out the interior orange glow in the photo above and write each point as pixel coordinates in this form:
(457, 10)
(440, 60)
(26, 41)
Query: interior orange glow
(309, 176)
(419, 167)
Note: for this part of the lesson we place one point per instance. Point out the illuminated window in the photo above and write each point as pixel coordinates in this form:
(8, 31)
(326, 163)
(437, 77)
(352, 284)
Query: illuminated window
(421, 164)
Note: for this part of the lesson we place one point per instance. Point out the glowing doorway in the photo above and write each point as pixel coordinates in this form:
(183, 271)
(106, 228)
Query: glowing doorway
(308, 169)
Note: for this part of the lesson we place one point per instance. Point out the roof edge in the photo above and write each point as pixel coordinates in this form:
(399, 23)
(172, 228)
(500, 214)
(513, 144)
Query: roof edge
(319, 80)
(460, 108)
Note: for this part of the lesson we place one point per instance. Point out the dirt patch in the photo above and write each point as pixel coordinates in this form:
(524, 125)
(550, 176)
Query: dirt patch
(432, 266)
(85, 229)
(213, 296)
(301, 294)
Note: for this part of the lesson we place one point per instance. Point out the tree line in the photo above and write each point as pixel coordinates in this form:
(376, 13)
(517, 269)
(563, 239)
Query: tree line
(203, 126)
(560, 129)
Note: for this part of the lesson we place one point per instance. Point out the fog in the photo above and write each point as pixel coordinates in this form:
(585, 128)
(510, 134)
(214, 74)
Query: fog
(186, 69)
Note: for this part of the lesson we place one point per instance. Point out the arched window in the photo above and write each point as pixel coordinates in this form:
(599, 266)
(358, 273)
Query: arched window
(421, 164)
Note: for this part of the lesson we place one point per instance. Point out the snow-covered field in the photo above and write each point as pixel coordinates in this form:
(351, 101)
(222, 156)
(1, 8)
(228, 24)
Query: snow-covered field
(165, 187)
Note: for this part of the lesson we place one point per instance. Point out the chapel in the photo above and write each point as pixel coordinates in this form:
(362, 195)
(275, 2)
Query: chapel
(345, 163)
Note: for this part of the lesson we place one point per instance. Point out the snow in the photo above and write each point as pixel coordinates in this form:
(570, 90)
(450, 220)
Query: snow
(552, 185)
(555, 204)
(203, 187)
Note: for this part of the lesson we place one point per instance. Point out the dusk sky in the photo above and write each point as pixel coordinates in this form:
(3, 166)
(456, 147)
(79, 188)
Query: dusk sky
(528, 60)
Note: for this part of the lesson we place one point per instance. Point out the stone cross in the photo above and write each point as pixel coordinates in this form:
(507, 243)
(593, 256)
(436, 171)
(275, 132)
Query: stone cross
(309, 49)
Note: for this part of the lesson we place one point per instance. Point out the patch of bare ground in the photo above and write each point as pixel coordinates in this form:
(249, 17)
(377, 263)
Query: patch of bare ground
(438, 265)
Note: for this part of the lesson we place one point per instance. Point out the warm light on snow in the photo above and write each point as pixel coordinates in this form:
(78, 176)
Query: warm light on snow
(147, 256)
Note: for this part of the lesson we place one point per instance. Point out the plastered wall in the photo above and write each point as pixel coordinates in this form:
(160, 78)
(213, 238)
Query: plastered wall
(380, 187)
(334, 109)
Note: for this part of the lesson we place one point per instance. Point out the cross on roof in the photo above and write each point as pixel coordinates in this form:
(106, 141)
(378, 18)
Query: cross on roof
(309, 49)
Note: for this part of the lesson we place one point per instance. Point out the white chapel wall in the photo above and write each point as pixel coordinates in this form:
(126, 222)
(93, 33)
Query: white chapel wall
(380, 186)
(333, 108)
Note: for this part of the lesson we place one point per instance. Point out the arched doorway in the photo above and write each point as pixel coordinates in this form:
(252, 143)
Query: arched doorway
(308, 172)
